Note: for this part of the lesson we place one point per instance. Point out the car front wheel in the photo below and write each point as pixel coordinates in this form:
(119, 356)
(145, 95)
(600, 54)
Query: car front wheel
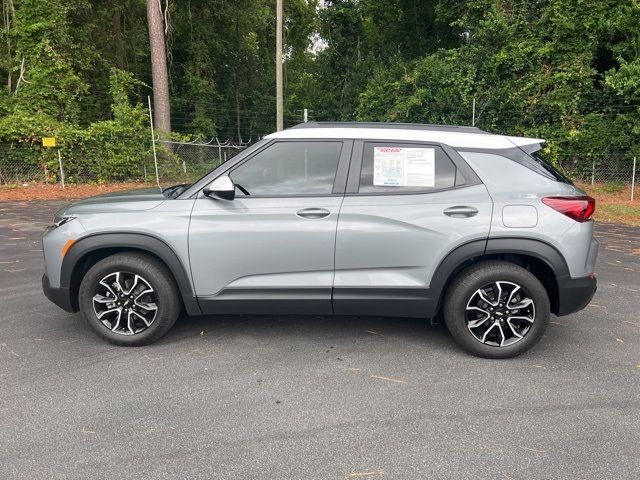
(496, 310)
(129, 299)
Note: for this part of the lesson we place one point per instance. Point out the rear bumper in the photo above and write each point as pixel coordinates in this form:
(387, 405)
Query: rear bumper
(575, 293)
(60, 296)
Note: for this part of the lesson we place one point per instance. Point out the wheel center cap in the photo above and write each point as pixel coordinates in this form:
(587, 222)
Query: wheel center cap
(499, 314)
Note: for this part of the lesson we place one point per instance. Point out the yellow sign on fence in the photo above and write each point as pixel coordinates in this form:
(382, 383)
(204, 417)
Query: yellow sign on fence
(48, 141)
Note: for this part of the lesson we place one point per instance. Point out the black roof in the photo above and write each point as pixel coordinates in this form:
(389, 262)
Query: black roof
(398, 125)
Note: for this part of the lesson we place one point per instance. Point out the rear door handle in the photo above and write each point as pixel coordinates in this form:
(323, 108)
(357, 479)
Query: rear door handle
(461, 211)
(313, 213)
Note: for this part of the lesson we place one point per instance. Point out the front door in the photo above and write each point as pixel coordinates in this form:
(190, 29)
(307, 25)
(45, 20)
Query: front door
(271, 249)
(406, 206)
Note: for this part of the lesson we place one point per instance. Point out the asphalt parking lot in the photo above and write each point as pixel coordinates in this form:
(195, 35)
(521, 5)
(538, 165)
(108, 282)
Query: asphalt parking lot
(313, 397)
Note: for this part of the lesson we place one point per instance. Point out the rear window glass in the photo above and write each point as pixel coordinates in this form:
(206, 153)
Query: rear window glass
(542, 163)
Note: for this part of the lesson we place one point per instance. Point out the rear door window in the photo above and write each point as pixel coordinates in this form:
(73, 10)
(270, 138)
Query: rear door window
(405, 168)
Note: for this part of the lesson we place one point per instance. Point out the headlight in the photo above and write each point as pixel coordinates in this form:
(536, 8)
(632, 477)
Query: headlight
(59, 221)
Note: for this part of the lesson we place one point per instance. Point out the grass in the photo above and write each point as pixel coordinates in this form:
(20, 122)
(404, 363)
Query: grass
(613, 203)
(617, 213)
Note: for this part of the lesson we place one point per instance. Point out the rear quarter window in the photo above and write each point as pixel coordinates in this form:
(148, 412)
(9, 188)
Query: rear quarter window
(535, 161)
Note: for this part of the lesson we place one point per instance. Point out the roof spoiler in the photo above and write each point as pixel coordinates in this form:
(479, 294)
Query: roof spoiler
(527, 144)
(532, 147)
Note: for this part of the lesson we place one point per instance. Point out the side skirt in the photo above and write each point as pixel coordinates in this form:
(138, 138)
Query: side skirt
(391, 302)
(385, 302)
(302, 301)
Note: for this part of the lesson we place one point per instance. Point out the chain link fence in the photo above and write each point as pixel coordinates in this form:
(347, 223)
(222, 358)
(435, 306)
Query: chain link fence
(184, 162)
(614, 170)
(187, 161)
(177, 162)
(23, 163)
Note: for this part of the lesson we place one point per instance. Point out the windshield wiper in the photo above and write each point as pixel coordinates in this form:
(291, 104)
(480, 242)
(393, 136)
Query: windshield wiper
(242, 189)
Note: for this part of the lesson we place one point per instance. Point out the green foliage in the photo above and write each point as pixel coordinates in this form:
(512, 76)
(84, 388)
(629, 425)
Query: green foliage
(438, 88)
(223, 64)
(563, 70)
(114, 149)
(111, 149)
(79, 70)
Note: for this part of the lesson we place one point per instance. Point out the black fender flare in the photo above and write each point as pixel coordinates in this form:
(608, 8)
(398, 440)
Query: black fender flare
(447, 268)
(137, 241)
(451, 263)
(533, 248)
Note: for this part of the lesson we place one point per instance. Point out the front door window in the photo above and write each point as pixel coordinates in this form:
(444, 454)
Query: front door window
(289, 168)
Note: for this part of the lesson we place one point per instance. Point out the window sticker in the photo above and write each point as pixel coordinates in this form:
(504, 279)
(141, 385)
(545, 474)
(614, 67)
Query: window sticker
(404, 167)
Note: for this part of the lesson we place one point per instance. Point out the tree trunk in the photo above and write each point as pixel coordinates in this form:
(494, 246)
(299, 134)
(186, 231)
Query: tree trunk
(8, 12)
(160, 77)
(118, 38)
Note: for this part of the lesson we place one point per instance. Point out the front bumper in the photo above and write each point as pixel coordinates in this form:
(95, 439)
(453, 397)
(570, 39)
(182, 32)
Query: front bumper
(575, 293)
(60, 296)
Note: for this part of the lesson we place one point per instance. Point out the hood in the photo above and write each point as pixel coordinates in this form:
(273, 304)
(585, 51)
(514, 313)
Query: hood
(131, 200)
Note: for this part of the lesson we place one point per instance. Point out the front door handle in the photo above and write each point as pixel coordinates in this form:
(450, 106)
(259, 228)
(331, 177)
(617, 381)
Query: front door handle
(461, 211)
(313, 213)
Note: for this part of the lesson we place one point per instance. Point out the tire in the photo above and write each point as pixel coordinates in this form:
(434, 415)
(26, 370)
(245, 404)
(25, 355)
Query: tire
(471, 316)
(143, 319)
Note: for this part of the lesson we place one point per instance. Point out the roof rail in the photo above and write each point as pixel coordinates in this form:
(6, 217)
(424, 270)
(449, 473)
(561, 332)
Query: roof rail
(398, 125)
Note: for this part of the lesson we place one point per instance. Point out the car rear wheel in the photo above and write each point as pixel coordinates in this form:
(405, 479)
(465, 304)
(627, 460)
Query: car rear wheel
(496, 310)
(129, 299)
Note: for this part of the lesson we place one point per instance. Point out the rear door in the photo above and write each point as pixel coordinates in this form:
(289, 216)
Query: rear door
(407, 205)
(272, 247)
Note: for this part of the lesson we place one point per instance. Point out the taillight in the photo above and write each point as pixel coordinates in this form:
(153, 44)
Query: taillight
(579, 209)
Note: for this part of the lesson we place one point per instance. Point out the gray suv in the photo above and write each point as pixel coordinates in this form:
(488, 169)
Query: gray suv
(339, 219)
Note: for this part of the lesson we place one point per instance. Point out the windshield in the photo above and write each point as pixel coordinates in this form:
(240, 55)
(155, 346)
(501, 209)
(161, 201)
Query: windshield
(208, 177)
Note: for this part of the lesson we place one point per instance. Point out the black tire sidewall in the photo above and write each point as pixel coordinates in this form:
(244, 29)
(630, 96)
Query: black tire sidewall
(167, 297)
(469, 281)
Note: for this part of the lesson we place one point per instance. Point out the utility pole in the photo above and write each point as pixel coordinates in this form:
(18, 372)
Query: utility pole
(279, 89)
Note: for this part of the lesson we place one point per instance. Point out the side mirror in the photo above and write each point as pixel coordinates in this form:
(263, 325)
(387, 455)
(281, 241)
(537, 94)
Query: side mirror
(221, 187)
